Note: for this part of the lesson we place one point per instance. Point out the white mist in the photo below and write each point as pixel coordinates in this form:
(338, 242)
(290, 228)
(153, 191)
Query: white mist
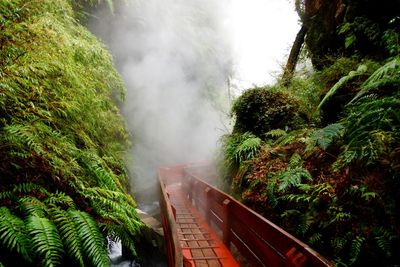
(175, 59)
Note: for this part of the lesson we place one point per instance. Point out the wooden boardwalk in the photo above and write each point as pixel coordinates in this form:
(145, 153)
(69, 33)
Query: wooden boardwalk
(190, 206)
(199, 244)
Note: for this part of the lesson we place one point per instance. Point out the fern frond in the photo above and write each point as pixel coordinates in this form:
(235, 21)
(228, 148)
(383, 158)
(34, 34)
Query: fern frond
(339, 243)
(60, 198)
(384, 239)
(13, 234)
(32, 206)
(93, 243)
(388, 74)
(324, 137)
(344, 80)
(247, 148)
(275, 133)
(68, 230)
(46, 241)
(356, 247)
(26, 188)
(316, 239)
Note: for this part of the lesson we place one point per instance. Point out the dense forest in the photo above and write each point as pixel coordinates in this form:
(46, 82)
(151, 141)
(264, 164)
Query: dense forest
(63, 186)
(318, 153)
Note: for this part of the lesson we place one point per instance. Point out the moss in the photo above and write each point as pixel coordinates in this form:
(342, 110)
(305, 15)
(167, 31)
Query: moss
(260, 110)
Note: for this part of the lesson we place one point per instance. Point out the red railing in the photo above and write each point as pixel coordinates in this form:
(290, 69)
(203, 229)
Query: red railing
(174, 251)
(254, 238)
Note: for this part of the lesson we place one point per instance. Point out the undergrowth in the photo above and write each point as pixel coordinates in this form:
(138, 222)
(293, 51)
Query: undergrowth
(62, 141)
(334, 181)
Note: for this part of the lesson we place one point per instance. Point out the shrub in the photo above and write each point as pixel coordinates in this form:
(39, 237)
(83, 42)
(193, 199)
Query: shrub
(260, 110)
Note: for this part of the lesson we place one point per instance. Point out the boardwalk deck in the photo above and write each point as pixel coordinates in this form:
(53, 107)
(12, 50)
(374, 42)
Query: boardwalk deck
(189, 206)
(200, 245)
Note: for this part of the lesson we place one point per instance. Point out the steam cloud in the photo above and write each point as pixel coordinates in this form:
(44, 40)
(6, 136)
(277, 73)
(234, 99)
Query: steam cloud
(175, 59)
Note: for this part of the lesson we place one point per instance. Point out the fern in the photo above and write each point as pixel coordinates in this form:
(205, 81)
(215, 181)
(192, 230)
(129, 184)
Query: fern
(46, 241)
(240, 147)
(59, 198)
(324, 137)
(356, 248)
(26, 188)
(293, 175)
(344, 80)
(339, 243)
(13, 234)
(247, 148)
(68, 229)
(384, 239)
(316, 239)
(275, 133)
(387, 75)
(93, 243)
(32, 206)
(118, 233)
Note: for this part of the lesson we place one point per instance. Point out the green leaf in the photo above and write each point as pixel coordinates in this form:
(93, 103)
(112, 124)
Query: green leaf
(46, 240)
(93, 243)
(13, 234)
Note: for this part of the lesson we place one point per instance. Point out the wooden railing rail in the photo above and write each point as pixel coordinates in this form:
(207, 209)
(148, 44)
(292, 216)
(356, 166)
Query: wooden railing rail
(174, 251)
(258, 240)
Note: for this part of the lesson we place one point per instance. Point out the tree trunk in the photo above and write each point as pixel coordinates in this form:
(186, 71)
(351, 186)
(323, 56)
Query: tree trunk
(293, 56)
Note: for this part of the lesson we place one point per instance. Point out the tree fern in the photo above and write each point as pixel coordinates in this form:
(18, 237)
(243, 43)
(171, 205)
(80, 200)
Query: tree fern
(46, 241)
(13, 235)
(93, 243)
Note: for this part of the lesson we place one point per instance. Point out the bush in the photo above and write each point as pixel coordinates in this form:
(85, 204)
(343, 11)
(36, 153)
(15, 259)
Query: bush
(260, 110)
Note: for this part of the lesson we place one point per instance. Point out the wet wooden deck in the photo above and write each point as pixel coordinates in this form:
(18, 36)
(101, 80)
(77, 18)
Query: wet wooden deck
(200, 245)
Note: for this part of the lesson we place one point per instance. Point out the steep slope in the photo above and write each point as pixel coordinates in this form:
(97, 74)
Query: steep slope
(63, 182)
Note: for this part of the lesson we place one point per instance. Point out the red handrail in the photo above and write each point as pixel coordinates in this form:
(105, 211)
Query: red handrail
(258, 240)
(174, 251)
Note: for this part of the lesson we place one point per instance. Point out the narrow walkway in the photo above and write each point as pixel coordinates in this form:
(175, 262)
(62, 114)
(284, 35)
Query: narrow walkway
(200, 245)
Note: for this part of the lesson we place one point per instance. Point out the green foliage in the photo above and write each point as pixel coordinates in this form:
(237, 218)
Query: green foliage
(260, 110)
(293, 175)
(325, 136)
(386, 77)
(343, 198)
(62, 140)
(46, 241)
(240, 147)
(92, 240)
(371, 130)
(69, 231)
(344, 80)
(13, 234)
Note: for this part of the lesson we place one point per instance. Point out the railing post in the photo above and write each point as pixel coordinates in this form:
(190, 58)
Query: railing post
(226, 227)
(208, 205)
(196, 197)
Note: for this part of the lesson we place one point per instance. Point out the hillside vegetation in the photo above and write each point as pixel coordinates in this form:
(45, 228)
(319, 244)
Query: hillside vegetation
(63, 186)
(321, 156)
